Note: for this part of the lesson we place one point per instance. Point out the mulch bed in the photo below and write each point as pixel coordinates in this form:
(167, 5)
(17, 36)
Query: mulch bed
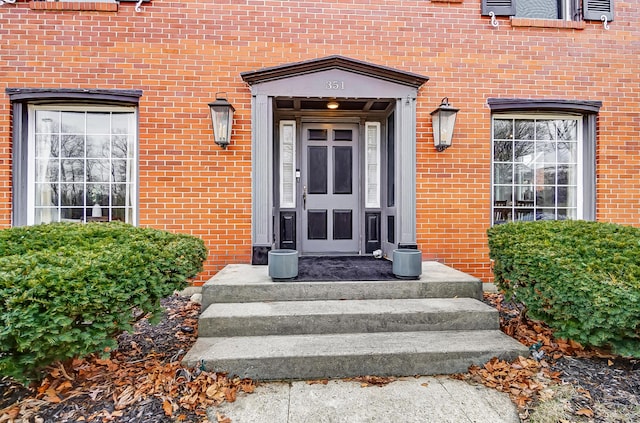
(605, 385)
(143, 381)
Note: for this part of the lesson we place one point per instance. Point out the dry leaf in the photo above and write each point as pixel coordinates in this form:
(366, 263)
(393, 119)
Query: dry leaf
(230, 394)
(318, 382)
(585, 412)
(211, 391)
(52, 396)
(222, 418)
(167, 407)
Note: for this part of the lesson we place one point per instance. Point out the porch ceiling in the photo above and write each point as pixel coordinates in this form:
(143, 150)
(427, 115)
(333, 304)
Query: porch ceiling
(295, 104)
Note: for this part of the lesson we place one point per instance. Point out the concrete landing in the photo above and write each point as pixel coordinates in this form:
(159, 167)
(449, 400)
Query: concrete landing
(238, 283)
(407, 400)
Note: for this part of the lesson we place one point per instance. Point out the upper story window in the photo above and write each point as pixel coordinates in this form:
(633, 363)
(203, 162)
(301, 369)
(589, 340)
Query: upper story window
(570, 10)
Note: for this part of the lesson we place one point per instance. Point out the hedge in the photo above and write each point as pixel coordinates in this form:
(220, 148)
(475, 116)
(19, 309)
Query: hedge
(581, 278)
(67, 289)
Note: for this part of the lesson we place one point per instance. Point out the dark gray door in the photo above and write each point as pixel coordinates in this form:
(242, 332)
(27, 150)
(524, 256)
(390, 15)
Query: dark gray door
(330, 189)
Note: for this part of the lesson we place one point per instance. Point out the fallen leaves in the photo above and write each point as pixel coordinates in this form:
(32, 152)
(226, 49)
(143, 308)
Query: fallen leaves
(523, 379)
(366, 381)
(130, 376)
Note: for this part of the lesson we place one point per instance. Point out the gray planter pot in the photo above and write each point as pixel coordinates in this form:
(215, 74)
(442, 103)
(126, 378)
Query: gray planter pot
(283, 264)
(407, 263)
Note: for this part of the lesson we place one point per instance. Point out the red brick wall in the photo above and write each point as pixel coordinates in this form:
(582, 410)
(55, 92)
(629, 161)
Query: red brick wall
(180, 53)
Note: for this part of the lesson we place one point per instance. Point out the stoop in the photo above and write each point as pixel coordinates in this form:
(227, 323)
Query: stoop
(253, 327)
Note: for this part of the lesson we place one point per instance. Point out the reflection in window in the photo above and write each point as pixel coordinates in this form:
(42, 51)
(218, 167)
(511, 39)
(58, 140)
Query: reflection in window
(82, 164)
(535, 168)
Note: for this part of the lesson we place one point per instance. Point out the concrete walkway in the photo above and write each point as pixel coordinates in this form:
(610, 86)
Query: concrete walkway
(407, 400)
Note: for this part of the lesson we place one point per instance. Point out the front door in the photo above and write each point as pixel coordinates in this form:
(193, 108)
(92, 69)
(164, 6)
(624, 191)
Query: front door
(330, 189)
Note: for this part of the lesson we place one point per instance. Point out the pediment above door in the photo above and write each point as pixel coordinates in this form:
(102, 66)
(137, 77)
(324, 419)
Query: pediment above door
(334, 76)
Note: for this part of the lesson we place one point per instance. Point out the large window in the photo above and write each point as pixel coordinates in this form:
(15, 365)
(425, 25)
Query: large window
(537, 167)
(74, 155)
(81, 163)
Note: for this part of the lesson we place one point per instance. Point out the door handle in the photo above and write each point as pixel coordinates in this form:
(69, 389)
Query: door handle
(304, 197)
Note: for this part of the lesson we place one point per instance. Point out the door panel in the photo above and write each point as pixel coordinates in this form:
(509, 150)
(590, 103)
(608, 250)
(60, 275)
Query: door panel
(330, 206)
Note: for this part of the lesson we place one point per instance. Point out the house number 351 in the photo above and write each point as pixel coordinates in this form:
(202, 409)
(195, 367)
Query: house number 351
(335, 85)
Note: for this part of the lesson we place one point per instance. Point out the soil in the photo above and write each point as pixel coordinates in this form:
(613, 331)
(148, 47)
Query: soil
(142, 381)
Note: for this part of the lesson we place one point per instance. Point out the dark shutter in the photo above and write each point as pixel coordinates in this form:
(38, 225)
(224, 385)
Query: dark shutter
(499, 7)
(593, 10)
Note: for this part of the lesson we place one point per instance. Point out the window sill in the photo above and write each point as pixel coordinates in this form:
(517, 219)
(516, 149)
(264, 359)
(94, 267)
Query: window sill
(76, 6)
(447, 1)
(547, 23)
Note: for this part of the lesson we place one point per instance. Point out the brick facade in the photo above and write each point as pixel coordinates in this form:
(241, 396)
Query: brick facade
(181, 53)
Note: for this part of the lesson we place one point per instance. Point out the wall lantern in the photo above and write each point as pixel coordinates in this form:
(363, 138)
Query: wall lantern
(222, 120)
(443, 120)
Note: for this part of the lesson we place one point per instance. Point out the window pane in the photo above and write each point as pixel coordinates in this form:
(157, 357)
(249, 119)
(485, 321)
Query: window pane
(546, 151)
(567, 152)
(97, 194)
(503, 151)
(98, 123)
(72, 170)
(72, 122)
(46, 194)
(98, 171)
(120, 123)
(47, 145)
(503, 129)
(72, 146)
(503, 194)
(545, 130)
(47, 170)
(524, 174)
(47, 122)
(47, 215)
(537, 9)
(75, 214)
(98, 146)
(524, 152)
(120, 147)
(121, 195)
(71, 195)
(524, 129)
(567, 130)
(567, 175)
(502, 173)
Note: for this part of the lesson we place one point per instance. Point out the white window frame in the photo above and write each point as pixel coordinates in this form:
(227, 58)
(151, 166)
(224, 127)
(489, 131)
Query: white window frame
(579, 159)
(31, 155)
(288, 168)
(372, 179)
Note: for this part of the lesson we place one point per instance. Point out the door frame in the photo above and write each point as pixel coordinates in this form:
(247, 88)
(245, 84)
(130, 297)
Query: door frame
(310, 79)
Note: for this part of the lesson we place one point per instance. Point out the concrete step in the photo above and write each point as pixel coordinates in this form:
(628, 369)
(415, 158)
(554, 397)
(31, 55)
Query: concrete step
(351, 354)
(241, 283)
(348, 316)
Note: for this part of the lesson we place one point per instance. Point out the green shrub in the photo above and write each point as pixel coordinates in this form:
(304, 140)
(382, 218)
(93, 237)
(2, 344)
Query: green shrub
(66, 290)
(581, 278)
